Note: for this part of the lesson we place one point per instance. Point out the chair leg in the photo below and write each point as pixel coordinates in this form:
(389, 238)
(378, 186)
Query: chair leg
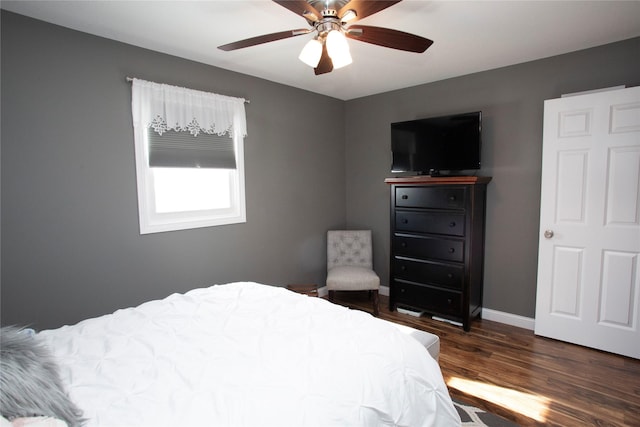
(376, 302)
(332, 295)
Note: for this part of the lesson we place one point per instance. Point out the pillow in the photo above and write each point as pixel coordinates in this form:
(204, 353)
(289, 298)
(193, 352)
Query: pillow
(30, 384)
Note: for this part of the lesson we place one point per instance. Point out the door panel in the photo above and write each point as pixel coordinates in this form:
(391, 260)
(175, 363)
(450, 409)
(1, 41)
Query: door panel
(624, 180)
(619, 279)
(572, 186)
(567, 281)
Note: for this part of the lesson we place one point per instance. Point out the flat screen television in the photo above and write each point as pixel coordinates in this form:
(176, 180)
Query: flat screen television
(449, 144)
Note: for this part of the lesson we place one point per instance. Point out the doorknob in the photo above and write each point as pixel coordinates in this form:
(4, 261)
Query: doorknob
(548, 234)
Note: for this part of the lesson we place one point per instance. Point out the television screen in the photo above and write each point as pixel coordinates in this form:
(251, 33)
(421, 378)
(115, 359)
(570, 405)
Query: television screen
(448, 143)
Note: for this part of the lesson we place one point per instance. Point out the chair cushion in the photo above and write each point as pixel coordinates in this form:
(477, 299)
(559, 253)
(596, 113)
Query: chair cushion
(352, 278)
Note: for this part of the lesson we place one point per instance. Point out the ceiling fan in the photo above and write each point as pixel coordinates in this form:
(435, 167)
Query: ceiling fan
(331, 21)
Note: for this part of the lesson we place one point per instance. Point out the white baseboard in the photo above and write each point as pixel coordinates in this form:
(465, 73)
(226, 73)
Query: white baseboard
(508, 318)
(487, 313)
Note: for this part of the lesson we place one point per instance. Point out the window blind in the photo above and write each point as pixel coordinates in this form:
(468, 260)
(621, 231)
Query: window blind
(180, 149)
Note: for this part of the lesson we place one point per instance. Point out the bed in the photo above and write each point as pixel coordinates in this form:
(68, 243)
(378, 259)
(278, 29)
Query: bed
(247, 354)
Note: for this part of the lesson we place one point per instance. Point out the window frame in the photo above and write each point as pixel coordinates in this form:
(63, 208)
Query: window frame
(154, 222)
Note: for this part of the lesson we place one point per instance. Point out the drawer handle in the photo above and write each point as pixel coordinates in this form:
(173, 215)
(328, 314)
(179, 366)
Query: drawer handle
(405, 221)
(449, 276)
(449, 301)
(405, 197)
(452, 198)
(451, 250)
(403, 267)
(403, 244)
(452, 224)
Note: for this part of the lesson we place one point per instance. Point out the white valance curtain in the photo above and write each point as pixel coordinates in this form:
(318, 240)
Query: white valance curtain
(164, 107)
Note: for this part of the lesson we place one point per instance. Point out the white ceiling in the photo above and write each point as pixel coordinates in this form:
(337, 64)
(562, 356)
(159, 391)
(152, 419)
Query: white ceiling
(469, 36)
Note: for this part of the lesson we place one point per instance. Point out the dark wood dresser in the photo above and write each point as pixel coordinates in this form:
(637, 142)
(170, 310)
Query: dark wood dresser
(437, 245)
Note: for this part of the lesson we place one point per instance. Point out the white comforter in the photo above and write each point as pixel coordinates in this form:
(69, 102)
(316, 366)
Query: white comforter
(245, 354)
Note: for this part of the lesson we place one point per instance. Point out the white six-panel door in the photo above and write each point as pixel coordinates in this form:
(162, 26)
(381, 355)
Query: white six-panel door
(589, 250)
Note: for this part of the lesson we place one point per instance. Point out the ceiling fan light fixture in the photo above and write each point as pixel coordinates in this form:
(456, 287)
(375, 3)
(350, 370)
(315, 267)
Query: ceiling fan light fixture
(342, 60)
(338, 49)
(349, 15)
(311, 53)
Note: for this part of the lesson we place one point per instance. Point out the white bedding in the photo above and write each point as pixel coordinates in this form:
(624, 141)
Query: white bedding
(245, 354)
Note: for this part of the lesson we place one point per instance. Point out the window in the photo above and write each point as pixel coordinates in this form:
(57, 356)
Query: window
(189, 157)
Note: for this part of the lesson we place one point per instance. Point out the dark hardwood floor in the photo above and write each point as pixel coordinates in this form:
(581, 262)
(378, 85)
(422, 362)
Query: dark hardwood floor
(527, 379)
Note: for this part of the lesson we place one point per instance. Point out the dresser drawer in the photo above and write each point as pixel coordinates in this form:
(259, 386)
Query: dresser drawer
(428, 247)
(430, 222)
(431, 197)
(427, 272)
(430, 299)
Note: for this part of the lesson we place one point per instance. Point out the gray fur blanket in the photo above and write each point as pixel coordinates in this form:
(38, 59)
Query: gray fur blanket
(29, 381)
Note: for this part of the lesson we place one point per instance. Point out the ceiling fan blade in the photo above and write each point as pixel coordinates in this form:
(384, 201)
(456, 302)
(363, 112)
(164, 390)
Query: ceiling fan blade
(364, 8)
(302, 8)
(265, 38)
(326, 64)
(386, 37)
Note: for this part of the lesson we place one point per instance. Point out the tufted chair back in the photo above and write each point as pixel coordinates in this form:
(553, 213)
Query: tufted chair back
(349, 247)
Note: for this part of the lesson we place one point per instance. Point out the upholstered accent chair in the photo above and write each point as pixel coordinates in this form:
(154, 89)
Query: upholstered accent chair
(350, 264)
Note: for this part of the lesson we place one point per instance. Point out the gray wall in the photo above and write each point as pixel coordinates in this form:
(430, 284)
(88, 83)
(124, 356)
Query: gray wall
(71, 247)
(70, 242)
(511, 100)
